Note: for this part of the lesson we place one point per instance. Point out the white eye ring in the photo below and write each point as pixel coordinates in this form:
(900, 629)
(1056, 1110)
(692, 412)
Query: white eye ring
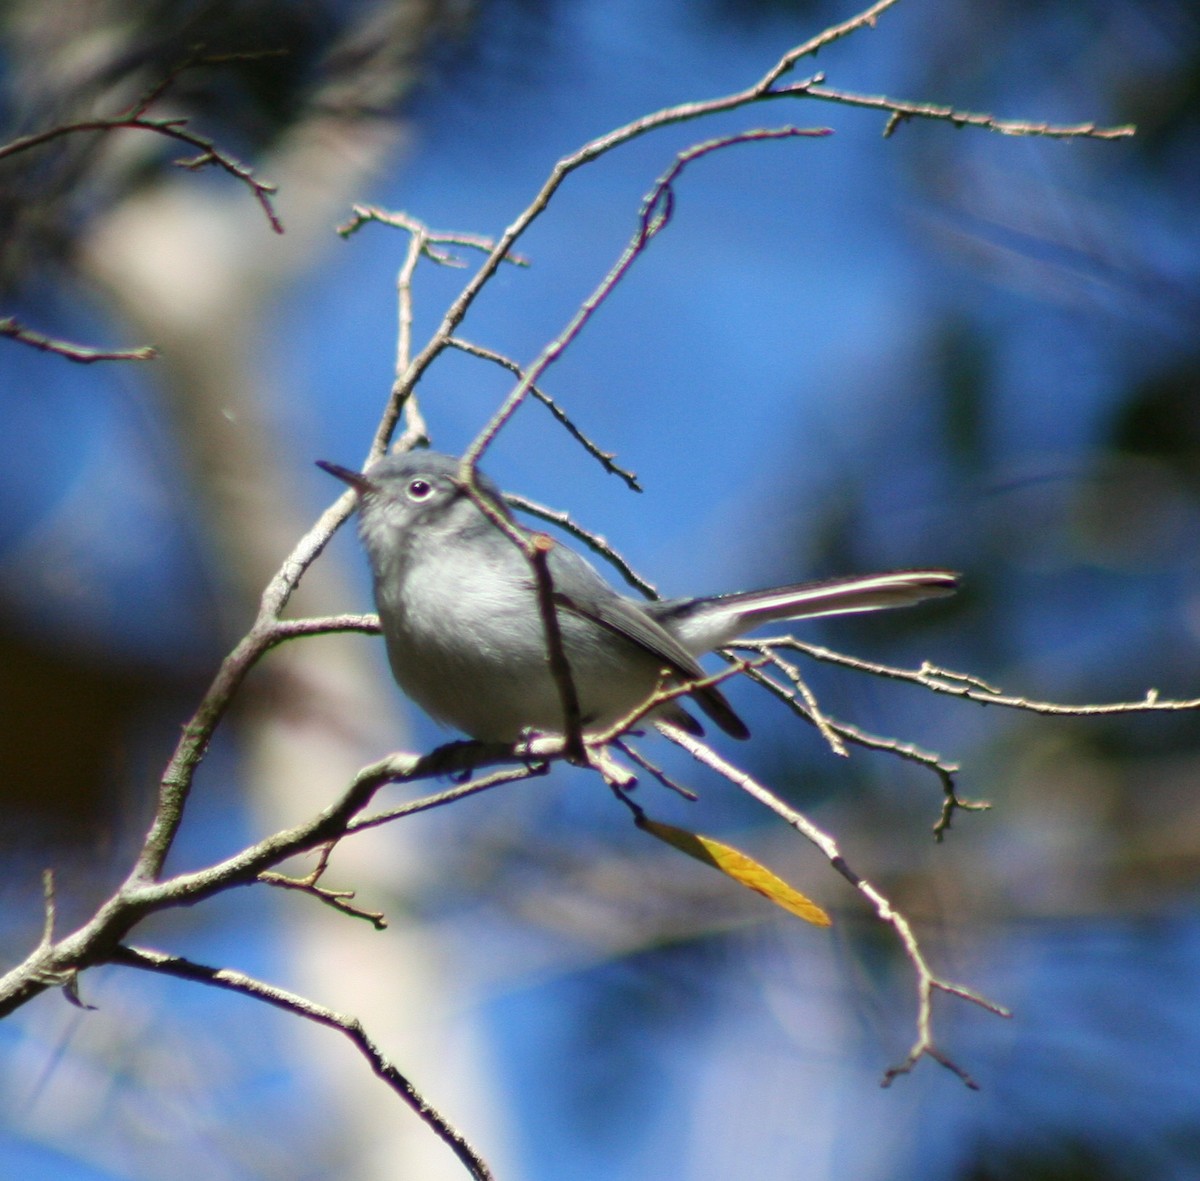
(419, 489)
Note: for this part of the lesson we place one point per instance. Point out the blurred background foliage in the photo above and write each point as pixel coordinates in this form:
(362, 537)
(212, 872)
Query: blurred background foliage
(946, 348)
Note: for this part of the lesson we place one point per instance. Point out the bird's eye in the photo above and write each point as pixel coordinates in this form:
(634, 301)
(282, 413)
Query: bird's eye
(419, 490)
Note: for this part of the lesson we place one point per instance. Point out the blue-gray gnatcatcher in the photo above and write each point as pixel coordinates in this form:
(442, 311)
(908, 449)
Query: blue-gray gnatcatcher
(466, 636)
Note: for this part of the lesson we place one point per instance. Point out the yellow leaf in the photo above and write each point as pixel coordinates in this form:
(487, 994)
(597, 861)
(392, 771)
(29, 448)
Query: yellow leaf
(739, 866)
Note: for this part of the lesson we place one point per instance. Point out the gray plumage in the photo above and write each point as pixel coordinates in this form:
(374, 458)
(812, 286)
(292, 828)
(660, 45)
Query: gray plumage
(466, 640)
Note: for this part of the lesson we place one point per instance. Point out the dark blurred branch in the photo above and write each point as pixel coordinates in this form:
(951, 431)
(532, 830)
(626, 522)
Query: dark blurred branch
(135, 119)
(175, 129)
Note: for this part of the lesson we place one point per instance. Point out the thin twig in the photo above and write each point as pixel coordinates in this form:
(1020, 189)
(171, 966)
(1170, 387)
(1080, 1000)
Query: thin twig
(310, 884)
(900, 111)
(422, 243)
(927, 982)
(666, 692)
(955, 684)
(289, 1002)
(810, 48)
(432, 240)
(656, 211)
(606, 458)
(807, 705)
(655, 770)
(80, 353)
(472, 787)
(842, 732)
(49, 908)
(415, 431)
(593, 541)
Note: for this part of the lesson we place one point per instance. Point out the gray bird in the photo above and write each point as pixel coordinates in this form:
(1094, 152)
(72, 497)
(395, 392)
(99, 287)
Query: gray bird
(466, 638)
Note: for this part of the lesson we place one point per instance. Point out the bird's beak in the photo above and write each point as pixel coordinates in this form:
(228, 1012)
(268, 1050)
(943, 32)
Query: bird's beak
(360, 483)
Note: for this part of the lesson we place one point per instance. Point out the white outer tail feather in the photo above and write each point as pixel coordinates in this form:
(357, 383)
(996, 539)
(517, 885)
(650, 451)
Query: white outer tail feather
(703, 624)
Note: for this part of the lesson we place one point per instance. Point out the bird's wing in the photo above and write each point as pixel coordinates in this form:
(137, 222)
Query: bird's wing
(626, 619)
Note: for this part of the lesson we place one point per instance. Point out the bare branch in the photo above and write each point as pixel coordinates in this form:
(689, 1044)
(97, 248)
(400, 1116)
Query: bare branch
(900, 112)
(683, 112)
(560, 667)
(422, 243)
(593, 541)
(431, 240)
(80, 353)
(656, 211)
(50, 908)
(310, 884)
(606, 458)
(142, 893)
(289, 1002)
(655, 770)
(800, 697)
(175, 129)
(971, 688)
(472, 787)
(804, 704)
(323, 625)
(810, 48)
(927, 982)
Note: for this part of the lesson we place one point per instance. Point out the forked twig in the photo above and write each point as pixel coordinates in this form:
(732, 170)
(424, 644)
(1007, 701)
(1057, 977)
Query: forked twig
(606, 458)
(971, 688)
(656, 211)
(310, 884)
(804, 704)
(927, 982)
